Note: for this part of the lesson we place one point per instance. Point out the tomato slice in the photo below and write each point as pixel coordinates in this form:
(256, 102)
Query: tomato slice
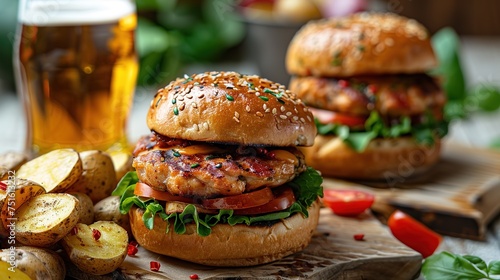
(283, 198)
(241, 201)
(413, 234)
(347, 202)
(142, 189)
(326, 117)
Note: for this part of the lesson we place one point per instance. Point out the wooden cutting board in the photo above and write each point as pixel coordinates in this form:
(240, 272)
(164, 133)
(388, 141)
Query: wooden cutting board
(457, 197)
(332, 254)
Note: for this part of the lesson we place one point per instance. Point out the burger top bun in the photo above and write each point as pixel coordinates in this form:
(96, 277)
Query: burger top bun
(362, 44)
(229, 107)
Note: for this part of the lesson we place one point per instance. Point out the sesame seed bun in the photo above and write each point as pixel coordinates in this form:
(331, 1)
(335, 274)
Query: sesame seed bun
(228, 107)
(383, 159)
(238, 245)
(365, 43)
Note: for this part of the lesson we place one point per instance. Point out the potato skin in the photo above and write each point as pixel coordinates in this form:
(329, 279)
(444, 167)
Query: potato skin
(23, 191)
(123, 163)
(10, 161)
(37, 263)
(98, 178)
(97, 256)
(86, 208)
(108, 210)
(45, 219)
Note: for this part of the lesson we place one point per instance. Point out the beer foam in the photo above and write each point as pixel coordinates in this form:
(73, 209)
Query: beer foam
(73, 12)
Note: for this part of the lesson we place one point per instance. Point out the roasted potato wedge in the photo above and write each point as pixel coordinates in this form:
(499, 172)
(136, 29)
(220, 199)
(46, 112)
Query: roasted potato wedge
(108, 209)
(122, 162)
(10, 161)
(98, 179)
(47, 218)
(86, 208)
(98, 249)
(56, 171)
(7, 271)
(18, 192)
(35, 263)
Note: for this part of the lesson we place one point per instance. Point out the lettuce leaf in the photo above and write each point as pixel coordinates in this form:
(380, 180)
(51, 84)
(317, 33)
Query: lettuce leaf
(307, 187)
(424, 133)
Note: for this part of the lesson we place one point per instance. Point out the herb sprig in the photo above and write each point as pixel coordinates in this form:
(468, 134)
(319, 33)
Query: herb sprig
(449, 266)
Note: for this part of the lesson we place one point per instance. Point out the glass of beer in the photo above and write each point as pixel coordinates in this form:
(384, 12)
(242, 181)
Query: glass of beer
(76, 70)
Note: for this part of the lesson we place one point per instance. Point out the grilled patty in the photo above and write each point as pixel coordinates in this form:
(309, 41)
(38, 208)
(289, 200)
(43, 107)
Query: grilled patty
(222, 171)
(389, 95)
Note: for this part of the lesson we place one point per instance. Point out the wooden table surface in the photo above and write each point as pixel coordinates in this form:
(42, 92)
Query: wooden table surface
(481, 62)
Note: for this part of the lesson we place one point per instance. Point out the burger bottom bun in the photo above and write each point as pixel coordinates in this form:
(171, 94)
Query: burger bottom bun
(238, 245)
(383, 159)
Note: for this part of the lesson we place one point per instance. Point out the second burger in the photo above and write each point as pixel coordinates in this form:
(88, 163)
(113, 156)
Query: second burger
(379, 115)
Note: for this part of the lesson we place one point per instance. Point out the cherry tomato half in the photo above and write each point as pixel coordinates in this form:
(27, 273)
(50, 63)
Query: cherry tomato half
(347, 202)
(413, 234)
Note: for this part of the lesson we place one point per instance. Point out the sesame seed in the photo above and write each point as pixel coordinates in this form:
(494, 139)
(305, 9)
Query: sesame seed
(283, 117)
(259, 114)
(282, 108)
(379, 48)
(181, 106)
(236, 114)
(194, 105)
(236, 119)
(275, 111)
(181, 98)
(247, 108)
(308, 118)
(201, 96)
(295, 118)
(205, 126)
(267, 110)
(196, 127)
(288, 114)
(189, 96)
(218, 165)
(302, 120)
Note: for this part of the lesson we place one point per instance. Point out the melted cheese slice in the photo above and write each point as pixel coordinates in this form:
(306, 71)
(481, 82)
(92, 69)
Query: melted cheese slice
(199, 149)
(285, 156)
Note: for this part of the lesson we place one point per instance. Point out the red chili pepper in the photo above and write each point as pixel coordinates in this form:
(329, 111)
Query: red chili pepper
(134, 243)
(372, 88)
(359, 237)
(343, 83)
(74, 230)
(96, 234)
(131, 250)
(194, 276)
(154, 266)
(3, 186)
